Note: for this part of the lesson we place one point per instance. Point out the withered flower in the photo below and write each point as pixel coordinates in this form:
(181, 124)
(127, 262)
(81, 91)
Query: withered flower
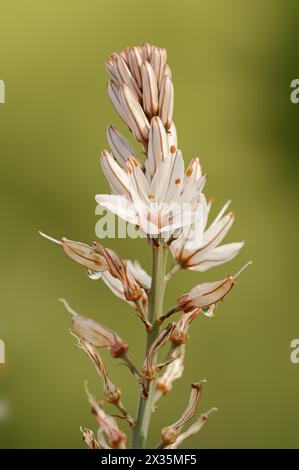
(179, 334)
(171, 433)
(173, 371)
(89, 438)
(149, 369)
(111, 392)
(118, 269)
(193, 429)
(115, 437)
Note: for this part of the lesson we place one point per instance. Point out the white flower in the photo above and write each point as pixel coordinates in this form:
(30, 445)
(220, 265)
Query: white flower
(159, 207)
(197, 255)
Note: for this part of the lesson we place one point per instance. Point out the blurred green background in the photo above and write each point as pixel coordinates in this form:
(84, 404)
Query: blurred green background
(232, 63)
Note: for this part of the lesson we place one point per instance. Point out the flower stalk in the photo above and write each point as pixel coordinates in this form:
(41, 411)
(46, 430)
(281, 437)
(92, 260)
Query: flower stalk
(145, 405)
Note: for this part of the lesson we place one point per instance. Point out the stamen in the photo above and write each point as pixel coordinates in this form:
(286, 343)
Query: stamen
(189, 171)
(49, 238)
(151, 196)
(177, 181)
(242, 269)
(223, 210)
(135, 161)
(172, 149)
(68, 307)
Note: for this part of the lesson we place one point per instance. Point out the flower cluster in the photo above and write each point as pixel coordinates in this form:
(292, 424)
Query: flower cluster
(152, 189)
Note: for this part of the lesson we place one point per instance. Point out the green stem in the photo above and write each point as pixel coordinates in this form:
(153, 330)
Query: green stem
(145, 407)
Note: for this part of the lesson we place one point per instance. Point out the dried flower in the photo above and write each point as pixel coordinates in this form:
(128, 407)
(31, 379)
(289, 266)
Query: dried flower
(116, 438)
(179, 334)
(118, 269)
(193, 429)
(173, 372)
(111, 392)
(149, 369)
(171, 433)
(89, 438)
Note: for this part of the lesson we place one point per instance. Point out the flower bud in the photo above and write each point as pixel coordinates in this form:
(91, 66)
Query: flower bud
(125, 76)
(134, 113)
(120, 146)
(135, 61)
(166, 98)
(150, 89)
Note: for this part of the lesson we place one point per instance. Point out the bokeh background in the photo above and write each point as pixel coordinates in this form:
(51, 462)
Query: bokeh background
(232, 63)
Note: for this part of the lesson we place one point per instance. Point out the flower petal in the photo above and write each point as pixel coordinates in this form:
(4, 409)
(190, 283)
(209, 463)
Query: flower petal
(204, 295)
(116, 176)
(120, 146)
(158, 146)
(119, 205)
(138, 273)
(167, 182)
(215, 257)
